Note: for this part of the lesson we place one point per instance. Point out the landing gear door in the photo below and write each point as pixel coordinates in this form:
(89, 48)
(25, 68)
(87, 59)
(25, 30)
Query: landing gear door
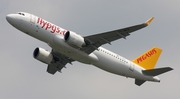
(32, 19)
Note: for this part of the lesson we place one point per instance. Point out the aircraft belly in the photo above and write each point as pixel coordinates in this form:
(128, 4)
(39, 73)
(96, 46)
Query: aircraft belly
(62, 47)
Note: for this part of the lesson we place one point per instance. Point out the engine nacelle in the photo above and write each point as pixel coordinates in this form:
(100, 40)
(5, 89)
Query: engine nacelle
(43, 55)
(74, 39)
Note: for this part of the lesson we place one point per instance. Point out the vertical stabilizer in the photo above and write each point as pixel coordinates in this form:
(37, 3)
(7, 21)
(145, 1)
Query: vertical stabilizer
(148, 59)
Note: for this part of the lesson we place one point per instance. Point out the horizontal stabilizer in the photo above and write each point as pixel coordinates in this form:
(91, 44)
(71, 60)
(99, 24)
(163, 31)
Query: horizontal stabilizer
(157, 71)
(139, 82)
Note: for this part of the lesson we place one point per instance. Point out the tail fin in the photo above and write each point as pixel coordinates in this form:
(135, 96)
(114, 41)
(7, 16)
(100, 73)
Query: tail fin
(148, 59)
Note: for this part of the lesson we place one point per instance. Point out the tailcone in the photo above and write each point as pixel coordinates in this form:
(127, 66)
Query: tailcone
(156, 79)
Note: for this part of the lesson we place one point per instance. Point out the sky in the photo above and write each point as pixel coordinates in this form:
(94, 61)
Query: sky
(23, 77)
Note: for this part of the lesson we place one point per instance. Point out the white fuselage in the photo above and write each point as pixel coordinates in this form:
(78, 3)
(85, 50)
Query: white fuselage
(54, 36)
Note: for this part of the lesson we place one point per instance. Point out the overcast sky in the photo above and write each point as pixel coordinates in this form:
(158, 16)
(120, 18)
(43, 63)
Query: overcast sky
(23, 77)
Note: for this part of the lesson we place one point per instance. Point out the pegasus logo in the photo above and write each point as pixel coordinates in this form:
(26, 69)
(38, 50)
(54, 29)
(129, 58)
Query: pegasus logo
(49, 26)
(146, 55)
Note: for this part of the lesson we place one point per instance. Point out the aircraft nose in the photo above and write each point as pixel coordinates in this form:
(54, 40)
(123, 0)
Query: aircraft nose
(10, 18)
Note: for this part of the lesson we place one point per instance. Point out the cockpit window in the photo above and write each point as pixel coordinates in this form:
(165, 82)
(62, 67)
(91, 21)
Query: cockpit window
(21, 13)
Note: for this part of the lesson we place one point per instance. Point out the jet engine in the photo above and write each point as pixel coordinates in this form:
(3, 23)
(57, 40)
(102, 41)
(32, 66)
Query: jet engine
(43, 55)
(74, 39)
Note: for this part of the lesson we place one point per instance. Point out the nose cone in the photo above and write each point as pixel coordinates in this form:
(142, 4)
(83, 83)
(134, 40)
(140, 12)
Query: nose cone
(11, 18)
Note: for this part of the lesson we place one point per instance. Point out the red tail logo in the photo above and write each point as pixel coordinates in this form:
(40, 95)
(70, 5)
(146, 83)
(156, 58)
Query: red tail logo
(146, 55)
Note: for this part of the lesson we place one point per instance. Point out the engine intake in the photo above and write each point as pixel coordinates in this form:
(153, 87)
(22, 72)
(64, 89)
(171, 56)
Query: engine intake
(74, 39)
(43, 55)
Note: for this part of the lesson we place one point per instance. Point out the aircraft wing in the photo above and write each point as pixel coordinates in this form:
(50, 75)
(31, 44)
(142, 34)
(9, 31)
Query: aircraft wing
(60, 62)
(95, 41)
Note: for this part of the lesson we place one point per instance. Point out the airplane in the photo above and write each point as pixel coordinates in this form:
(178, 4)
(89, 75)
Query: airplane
(68, 46)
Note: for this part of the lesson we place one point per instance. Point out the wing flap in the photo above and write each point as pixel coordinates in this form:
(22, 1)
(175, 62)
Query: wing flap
(51, 70)
(60, 62)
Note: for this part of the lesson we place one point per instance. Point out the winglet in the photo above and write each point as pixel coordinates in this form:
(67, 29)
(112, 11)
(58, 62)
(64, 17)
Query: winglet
(149, 21)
